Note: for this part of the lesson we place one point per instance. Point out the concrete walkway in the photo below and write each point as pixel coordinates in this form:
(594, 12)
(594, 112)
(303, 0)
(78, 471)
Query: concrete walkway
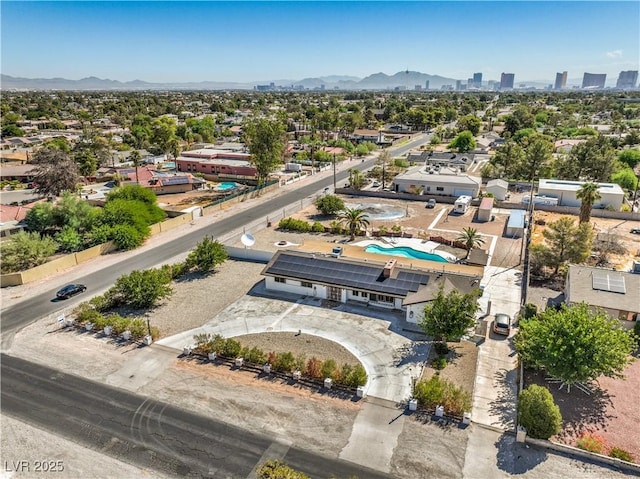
(388, 354)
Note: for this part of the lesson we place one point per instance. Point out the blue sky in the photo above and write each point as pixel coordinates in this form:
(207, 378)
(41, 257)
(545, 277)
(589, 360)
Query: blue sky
(259, 41)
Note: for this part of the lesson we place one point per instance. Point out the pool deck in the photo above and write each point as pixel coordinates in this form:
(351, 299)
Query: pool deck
(358, 252)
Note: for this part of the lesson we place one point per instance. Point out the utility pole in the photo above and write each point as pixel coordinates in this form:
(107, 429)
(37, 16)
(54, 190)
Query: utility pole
(334, 173)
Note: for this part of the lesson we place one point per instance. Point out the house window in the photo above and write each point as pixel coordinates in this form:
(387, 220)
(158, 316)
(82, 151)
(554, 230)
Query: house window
(428, 188)
(355, 293)
(306, 284)
(365, 295)
(381, 298)
(280, 280)
(439, 188)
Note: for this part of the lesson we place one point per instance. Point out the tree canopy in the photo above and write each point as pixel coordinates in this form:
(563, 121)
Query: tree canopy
(464, 142)
(54, 171)
(575, 344)
(449, 316)
(587, 194)
(329, 204)
(266, 141)
(25, 250)
(566, 243)
(207, 254)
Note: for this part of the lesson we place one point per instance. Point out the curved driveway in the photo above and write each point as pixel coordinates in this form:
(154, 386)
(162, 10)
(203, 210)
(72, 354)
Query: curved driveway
(388, 354)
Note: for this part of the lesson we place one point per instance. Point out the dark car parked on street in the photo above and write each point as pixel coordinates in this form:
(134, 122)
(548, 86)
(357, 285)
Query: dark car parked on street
(70, 290)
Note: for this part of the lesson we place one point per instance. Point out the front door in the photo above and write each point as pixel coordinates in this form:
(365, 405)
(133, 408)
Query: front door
(335, 294)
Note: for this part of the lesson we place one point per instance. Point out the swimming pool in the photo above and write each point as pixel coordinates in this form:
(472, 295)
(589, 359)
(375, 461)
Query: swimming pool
(227, 185)
(404, 252)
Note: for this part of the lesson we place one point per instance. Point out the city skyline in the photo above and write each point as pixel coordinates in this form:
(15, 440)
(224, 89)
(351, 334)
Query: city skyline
(260, 41)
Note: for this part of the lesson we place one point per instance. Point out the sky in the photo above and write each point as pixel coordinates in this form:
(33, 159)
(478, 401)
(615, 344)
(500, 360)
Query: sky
(183, 41)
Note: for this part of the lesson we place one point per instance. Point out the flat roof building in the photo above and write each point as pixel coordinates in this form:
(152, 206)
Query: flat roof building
(594, 80)
(611, 195)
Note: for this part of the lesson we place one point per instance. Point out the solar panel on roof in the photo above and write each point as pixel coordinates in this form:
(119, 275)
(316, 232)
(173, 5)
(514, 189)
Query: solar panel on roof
(603, 281)
(175, 180)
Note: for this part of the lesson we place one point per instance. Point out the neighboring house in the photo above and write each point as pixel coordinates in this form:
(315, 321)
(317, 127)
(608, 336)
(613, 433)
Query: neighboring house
(615, 292)
(498, 188)
(11, 217)
(516, 224)
(159, 182)
(373, 136)
(17, 172)
(217, 162)
(436, 181)
(343, 280)
(565, 145)
(565, 191)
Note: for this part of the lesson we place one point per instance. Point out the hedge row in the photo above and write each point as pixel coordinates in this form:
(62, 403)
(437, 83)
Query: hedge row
(292, 224)
(138, 328)
(313, 368)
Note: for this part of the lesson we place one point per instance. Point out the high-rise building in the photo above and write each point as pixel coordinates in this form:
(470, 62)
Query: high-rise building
(627, 80)
(561, 81)
(594, 80)
(507, 80)
(426, 85)
(458, 85)
(477, 80)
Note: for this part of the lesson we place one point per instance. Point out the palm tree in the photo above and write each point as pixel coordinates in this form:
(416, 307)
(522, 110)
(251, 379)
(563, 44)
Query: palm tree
(354, 219)
(471, 238)
(135, 157)
(588, 195)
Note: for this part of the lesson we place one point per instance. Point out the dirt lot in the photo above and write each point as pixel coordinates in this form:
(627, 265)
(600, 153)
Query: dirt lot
(611, 411)
(620, 229)
(461, 365)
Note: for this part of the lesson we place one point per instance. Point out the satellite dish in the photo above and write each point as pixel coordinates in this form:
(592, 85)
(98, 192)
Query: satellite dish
(248, 239)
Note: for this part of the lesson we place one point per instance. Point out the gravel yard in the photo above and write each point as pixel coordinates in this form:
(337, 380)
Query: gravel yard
(461, 365)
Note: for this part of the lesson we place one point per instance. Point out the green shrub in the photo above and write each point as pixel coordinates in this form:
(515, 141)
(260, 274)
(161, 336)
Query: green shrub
(292, 224)
(442, 392)
(329, 204)
(636, 328)
(591, 442)
(127, 237)
(203, 343)
(86, 313)
(255, 356)
(530, 310)
(538, 413)
(279, 470)
(155, 332)
(328, 368)
(138, 328)
(317, 227)
(119, 323)
(231, 348)
(284, 362)
(300, 362)
(357, 377)
(400, 163)
(99, 321)
(439, 363)
(336, 228)
(621, 454)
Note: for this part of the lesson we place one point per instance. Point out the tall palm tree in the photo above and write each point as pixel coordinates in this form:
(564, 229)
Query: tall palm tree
(354, 219)
(588, 194)
(471, 239)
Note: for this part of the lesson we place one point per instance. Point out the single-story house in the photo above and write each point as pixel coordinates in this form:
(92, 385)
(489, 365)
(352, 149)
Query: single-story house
(498, 188)
(565, 191)
(447, 159)
(159, 182)
(17, 172)
(566, 144)
(379, 284)
(615, 292)
(373, 136)
(436, 181)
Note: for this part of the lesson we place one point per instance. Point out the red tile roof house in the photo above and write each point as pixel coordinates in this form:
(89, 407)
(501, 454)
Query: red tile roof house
(10, 216)
(161, 183)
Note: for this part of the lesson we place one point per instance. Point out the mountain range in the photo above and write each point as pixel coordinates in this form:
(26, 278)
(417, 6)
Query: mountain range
(377, 81)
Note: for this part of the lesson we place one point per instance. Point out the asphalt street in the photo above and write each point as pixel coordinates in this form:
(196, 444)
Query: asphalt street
(148, 433)
(22, 314)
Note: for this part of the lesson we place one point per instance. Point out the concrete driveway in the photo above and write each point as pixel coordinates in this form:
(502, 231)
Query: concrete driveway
(388, 354)
(495, 391)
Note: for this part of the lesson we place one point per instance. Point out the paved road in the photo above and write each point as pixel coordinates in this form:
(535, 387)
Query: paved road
(20, 315)
(148, 433)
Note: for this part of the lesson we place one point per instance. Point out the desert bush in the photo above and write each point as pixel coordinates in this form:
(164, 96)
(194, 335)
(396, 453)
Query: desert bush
(103, 303)
(357, 377)
(231, 348)
(99, 321)
(328, 368)
(538, 413)
(138, 328)
(119, 323)
(437, 391)
(85, 313)
(203, 343)
(299, 364)
(317, 227)
(254, 356)
(439, 363)
(279, 470)
(292, 224)
(284, 362)
(530, 311)
(591, 442)
(621, 454)
(155, 332)
(636, 328)
(314, 368)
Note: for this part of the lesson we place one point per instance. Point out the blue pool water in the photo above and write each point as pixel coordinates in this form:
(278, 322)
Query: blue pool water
(227, 185)
(404, 252)
(169, 165)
